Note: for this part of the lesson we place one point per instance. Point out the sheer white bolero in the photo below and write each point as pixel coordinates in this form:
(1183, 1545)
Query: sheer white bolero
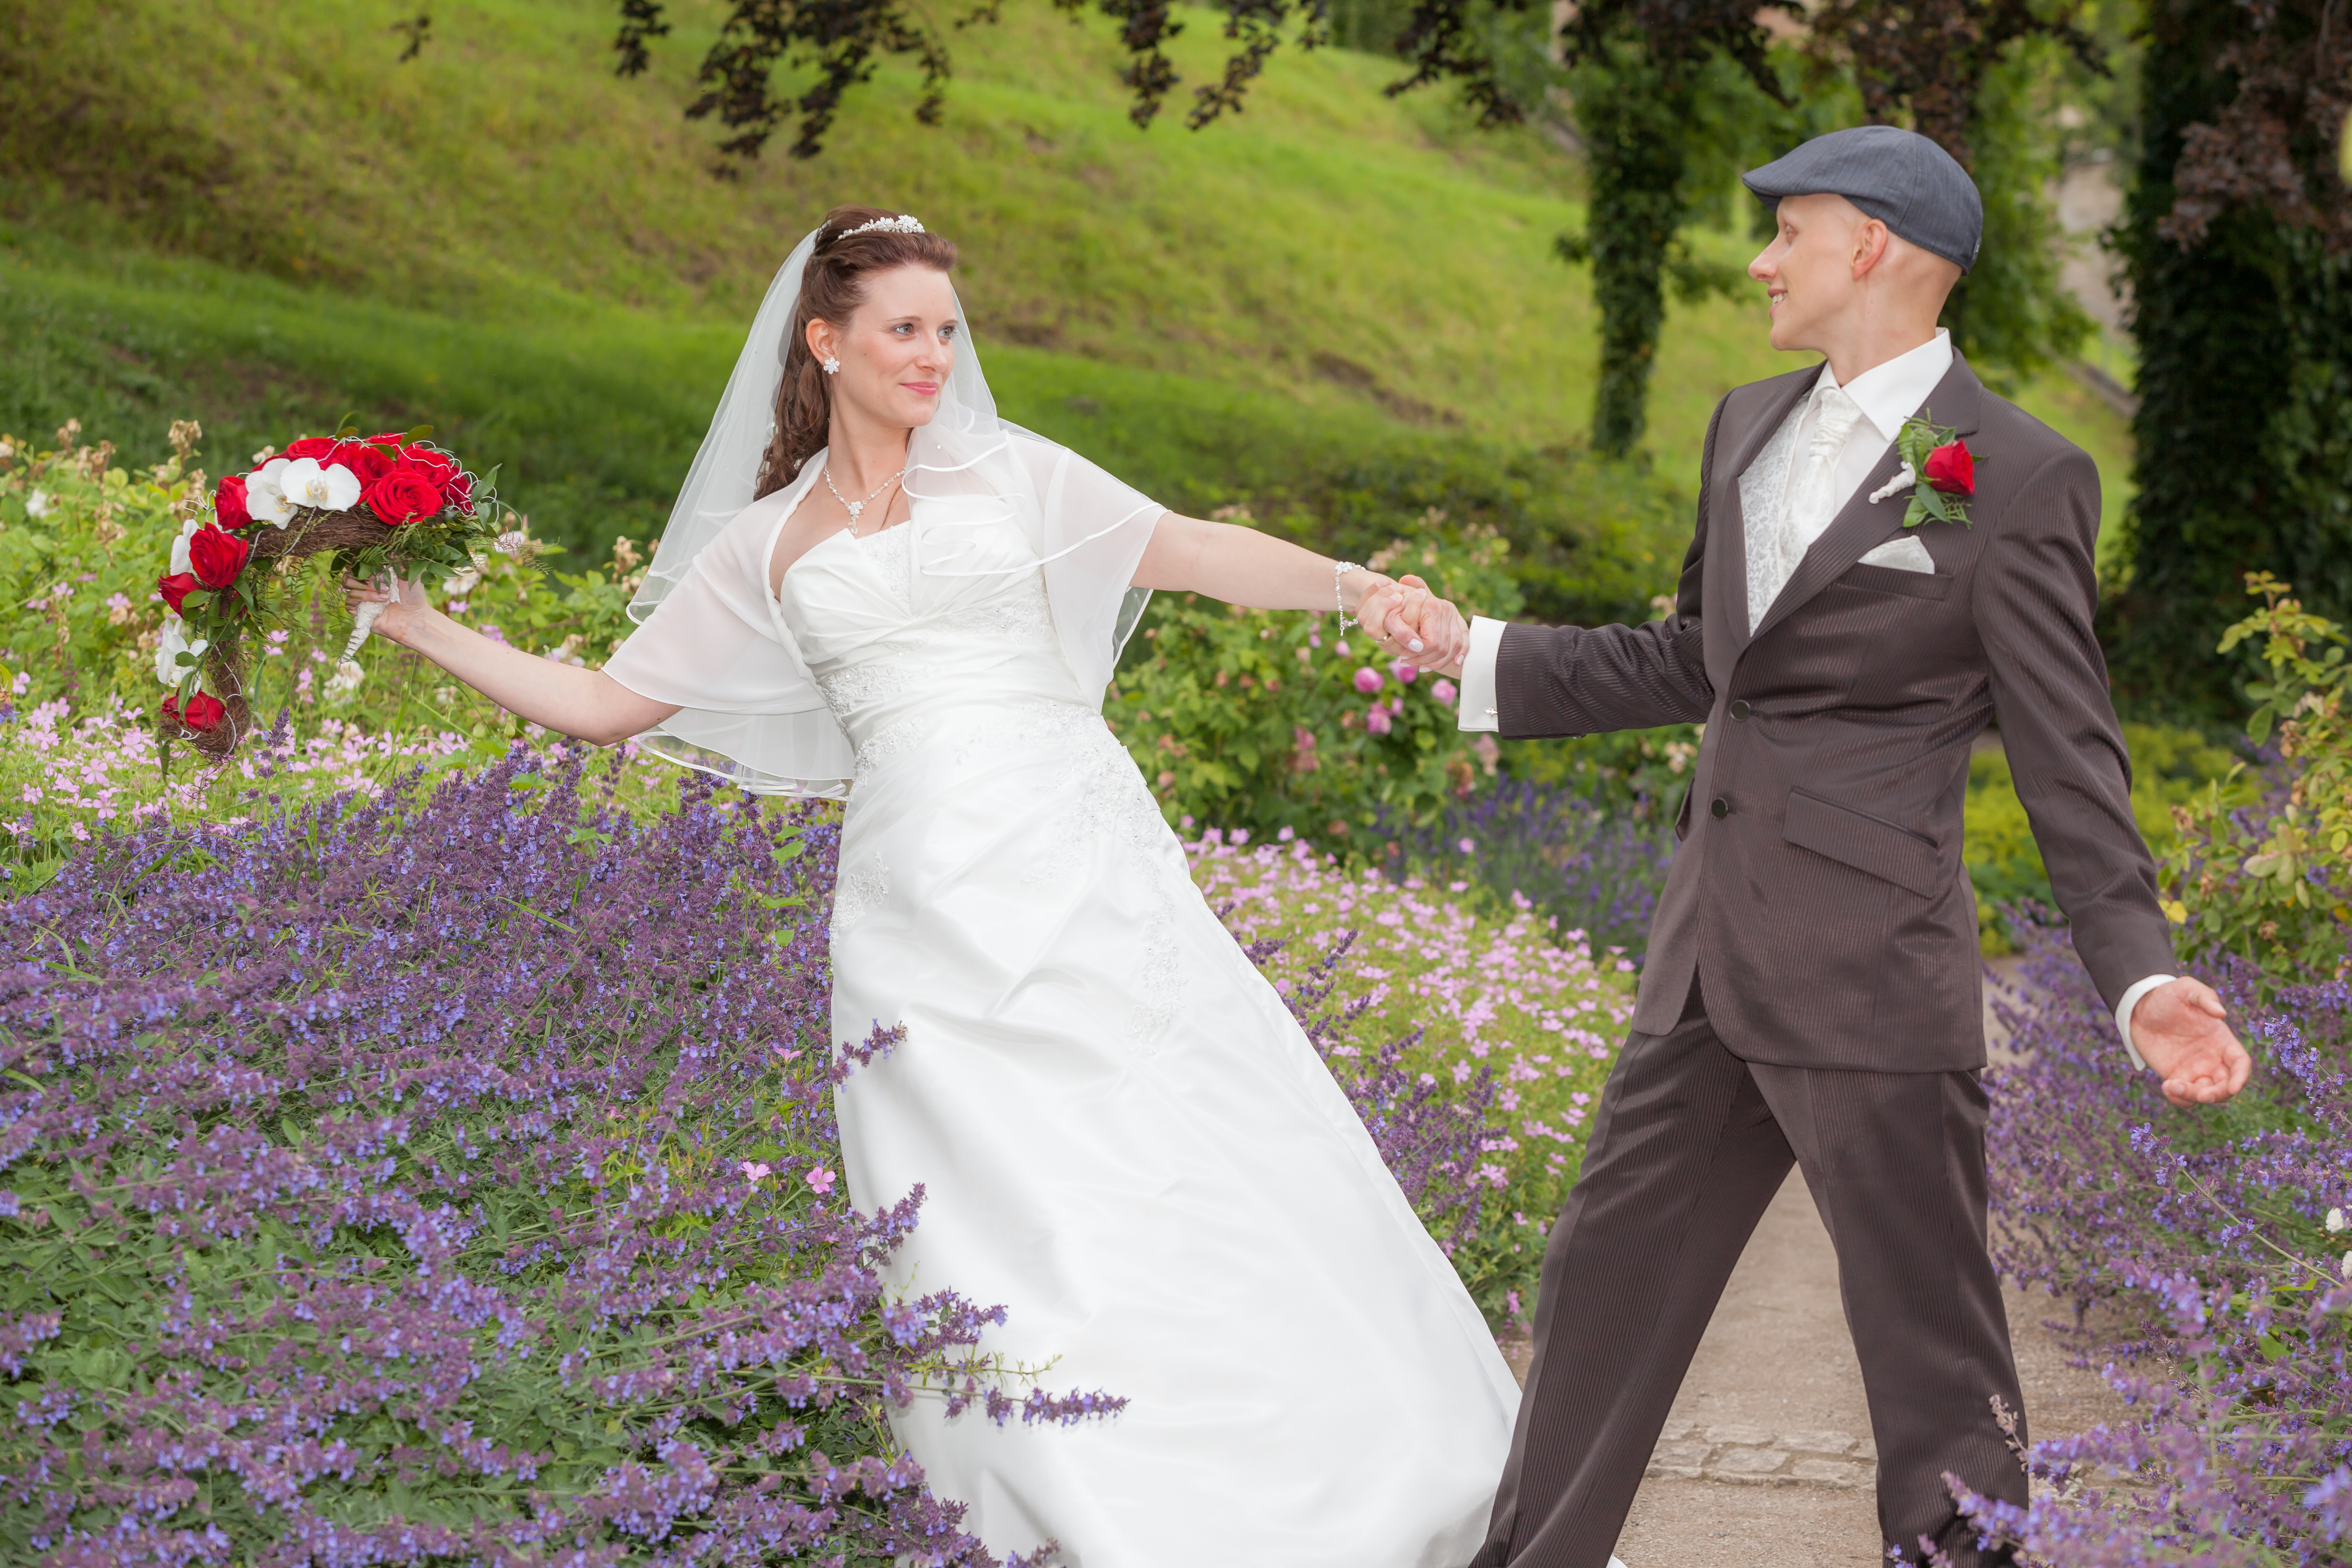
(721, 645)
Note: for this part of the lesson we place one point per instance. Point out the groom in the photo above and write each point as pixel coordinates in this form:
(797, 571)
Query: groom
(1812, 988)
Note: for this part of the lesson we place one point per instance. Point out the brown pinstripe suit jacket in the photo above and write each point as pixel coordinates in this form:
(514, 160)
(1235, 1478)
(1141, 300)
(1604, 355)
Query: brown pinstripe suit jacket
(1818, 894)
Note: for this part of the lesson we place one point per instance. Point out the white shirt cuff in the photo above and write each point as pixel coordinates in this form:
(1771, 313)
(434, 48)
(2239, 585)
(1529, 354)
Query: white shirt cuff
(2123, 1011)
(1478, 708)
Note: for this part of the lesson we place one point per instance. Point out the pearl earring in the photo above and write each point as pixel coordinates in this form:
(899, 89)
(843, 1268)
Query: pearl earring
(833, 367)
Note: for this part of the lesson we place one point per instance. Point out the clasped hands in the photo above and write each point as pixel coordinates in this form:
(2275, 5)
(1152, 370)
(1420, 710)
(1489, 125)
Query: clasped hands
(1413, 624)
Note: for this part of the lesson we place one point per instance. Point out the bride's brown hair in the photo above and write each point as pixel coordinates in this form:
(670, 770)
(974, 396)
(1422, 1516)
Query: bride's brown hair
(833, 286)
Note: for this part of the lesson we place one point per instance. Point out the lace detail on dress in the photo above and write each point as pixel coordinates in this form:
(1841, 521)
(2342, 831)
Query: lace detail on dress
(863, 685)
(857, 891)
(1021, 613)
(891, 562)
(893, 742)
(1763, 499)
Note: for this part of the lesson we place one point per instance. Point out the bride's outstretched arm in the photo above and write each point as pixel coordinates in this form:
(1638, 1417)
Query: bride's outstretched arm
(585, 704)
(1243, 566)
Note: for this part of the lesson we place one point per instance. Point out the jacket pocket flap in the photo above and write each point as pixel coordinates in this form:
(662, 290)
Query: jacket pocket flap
(1864, 842)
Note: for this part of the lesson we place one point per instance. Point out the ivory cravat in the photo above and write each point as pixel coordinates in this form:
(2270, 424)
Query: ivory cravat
(1812, 500)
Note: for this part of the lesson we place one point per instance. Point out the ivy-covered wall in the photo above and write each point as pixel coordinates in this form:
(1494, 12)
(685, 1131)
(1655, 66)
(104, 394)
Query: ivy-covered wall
(2245, 429)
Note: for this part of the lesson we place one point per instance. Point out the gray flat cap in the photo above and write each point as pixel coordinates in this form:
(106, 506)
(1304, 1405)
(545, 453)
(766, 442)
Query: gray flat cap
(1897, 176)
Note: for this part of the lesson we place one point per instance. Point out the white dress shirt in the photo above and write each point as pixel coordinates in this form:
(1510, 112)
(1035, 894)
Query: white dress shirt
(1889, 395)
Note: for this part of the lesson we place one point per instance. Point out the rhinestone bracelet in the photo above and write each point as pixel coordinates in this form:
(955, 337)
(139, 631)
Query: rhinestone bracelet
(1338, 601)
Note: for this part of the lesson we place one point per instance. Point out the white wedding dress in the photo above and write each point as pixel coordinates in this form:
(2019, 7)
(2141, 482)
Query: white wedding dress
(1122, 1135)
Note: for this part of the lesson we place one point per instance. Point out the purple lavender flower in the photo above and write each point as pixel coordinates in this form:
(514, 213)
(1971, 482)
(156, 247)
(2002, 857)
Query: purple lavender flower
(384, 1191)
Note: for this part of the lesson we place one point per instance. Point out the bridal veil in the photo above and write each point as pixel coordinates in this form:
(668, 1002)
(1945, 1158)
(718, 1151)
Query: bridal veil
(714, 639)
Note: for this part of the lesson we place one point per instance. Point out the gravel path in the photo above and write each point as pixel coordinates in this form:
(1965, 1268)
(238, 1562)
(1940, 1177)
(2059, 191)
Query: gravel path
(1767, 1458)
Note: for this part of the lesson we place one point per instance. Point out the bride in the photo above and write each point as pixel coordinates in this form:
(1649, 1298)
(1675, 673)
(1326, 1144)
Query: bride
(874, 588)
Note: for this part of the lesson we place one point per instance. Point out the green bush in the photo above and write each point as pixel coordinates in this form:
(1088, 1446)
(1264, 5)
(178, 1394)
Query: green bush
(2273, 886)
(2170, 768)
(1263, 722)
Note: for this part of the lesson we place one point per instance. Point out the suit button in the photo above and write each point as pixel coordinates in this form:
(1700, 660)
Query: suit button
(1740, 709)
(1721, 807)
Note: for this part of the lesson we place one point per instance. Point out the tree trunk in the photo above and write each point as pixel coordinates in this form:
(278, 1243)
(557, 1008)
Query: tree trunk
(1632, 122)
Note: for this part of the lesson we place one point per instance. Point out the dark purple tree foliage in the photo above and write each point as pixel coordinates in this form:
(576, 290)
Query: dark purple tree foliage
(2217, 1239)
(451, 1177)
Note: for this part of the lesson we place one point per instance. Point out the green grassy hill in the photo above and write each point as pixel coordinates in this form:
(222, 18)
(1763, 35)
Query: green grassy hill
(1336, 298)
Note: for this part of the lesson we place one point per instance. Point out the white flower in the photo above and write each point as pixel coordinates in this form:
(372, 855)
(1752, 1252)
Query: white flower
(463, 582)
(175, 642)
(2347, 1269)
(331, 488)
(345, 680)
(2335, 1221)
(38, 504)
(264, 493)
(1905, 478)
(179, 547)
(511, 541)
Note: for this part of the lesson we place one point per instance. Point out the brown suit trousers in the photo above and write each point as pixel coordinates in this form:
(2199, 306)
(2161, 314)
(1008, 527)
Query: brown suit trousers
(1813, 990)
(1690, 1144)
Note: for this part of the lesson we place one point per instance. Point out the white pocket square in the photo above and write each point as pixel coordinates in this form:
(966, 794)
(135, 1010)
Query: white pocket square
(1905, 554)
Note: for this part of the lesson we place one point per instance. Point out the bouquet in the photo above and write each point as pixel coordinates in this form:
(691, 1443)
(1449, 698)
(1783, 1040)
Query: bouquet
(389, 506)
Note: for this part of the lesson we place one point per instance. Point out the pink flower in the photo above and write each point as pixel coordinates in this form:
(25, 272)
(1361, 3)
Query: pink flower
(1367, 680)
(1469, 846)
(1377, 721)
(753, 1171)
(820, 1180)
(1444, 691)
(1403, 672)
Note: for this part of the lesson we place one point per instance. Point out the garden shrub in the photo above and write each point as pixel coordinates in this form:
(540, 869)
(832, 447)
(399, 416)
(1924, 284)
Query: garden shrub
(2171, 767)
(1520, 1014)
(2273, 883)
(1264, 720)
(2216, 1238)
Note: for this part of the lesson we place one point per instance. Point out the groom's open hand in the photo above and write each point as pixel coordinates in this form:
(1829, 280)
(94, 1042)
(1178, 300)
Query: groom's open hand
(2178, 1029)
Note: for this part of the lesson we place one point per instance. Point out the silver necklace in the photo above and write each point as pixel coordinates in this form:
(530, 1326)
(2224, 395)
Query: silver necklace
(857, 506)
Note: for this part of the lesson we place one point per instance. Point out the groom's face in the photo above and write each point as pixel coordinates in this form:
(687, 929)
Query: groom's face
(1808, 270)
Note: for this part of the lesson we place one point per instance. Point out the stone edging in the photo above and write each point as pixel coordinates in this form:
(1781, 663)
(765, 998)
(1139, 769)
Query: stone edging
(1750, 1455)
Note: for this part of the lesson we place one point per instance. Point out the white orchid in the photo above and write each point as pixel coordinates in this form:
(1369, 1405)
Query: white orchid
(168, 668)
(180, 562)
(38, 504)
(264, 493)
(325, 488)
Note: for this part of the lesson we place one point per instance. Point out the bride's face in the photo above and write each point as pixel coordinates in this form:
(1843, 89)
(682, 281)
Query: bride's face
(895, 352)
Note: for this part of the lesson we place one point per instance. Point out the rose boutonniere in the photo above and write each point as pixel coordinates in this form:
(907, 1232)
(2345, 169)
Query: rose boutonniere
(1938, 470)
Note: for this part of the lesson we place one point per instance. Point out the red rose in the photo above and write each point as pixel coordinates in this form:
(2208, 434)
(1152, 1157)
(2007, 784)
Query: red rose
(439, 466)
(203, 711)
(1952, 469)
(228, 503)
(217, 556)
(460, 490)
(318, 446)
(404, 495)
(364, 461)
(175, 588)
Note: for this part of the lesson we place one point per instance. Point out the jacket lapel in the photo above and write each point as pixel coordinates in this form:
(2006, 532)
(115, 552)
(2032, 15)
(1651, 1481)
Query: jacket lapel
(1728, 633)
(1859, 525)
